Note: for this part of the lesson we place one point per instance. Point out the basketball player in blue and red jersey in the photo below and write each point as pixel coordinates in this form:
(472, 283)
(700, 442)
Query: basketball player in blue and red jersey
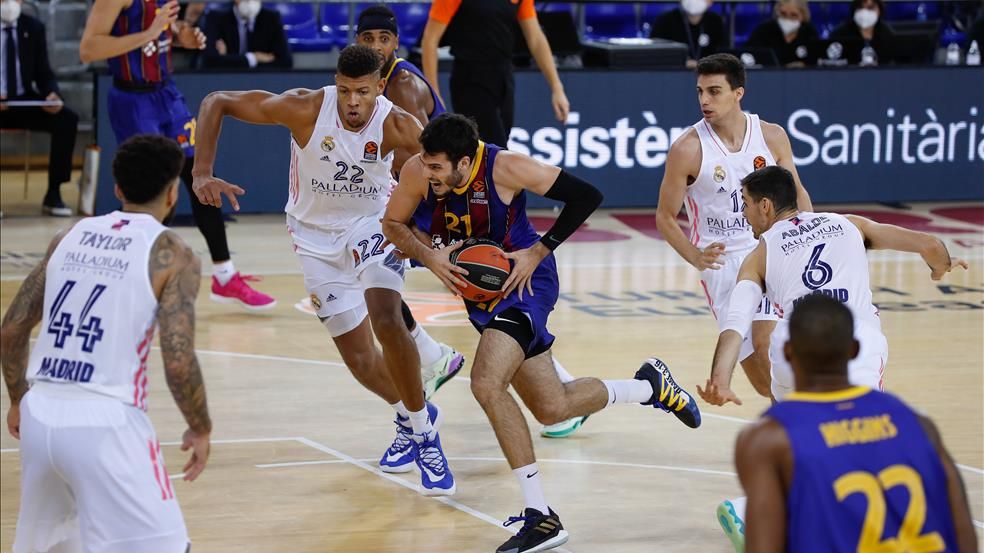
(839, 468)
(135, 37)
(407, 87)
(474, 189)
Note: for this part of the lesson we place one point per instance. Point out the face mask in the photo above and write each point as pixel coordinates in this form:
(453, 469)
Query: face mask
(249, 8)
(9, 11)
(694, 7)
(866, 18)
(789, 26)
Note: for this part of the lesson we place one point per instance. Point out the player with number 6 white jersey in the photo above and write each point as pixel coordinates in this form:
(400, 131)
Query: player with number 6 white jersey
(822, 253)
(801, 253)
(92, 470)
(704, 168)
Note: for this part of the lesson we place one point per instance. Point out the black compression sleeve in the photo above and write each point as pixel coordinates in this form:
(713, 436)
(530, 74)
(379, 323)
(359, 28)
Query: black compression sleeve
(580, 200)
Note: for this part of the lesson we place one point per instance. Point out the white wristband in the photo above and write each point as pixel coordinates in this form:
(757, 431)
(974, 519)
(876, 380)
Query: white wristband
(745, 299)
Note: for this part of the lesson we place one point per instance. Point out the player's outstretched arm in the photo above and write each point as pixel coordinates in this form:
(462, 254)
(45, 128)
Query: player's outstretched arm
(778, 142)
(744, 300)
(97, 42)
(515, 172)
(22, 316)
(292, 109)
(959, 506)
(397, 228)
(177, 273)
(760, 454)
(681, 165)
(879, 236)
(401, 135)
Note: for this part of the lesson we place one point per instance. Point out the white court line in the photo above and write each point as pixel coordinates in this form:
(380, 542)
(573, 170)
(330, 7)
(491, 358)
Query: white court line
(243, 440)
(304, 463)
(396, 480)
(503, 460)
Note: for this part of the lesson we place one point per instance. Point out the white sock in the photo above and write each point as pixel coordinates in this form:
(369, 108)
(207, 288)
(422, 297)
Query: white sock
(430, 351)
(421, 424)
(562, 373)
(740, 504)
(223, 272)
(529, 483)
(628, 391)
(400, 409)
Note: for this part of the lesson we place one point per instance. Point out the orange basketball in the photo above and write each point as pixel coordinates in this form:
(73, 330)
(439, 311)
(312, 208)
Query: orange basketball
(487, 269)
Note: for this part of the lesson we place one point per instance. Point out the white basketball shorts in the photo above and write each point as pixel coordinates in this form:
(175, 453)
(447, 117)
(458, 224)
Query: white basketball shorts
(867, 369)
(340, 264)
(718, 285)
(92, 477)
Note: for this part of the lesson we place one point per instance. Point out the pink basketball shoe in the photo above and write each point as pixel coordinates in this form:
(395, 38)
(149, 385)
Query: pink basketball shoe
(238, 291)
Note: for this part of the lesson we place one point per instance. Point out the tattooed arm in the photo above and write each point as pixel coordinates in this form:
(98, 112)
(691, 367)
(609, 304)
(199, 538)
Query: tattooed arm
(176, 273)
(15, 334)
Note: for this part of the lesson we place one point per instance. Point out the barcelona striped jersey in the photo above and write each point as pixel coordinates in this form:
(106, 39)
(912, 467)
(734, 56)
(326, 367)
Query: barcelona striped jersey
(150, 63)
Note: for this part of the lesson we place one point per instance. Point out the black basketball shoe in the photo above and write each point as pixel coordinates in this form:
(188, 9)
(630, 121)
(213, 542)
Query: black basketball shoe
(667, 394)
(540, 532)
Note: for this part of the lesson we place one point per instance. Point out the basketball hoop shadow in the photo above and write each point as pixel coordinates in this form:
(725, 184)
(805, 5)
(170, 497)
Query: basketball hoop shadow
(429, 308)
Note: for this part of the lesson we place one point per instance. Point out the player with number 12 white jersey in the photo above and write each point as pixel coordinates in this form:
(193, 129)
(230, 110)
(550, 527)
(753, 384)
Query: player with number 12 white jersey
(704, 168)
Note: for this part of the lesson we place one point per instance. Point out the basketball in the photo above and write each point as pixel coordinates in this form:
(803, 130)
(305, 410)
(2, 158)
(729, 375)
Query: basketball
(487, 269)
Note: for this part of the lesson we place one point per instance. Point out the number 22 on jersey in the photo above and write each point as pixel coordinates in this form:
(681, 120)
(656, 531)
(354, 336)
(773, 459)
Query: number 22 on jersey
(873, 487)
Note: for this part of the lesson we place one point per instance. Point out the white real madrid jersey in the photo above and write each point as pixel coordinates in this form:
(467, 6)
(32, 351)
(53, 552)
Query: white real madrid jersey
(340, 175)
(713, 201)
(100, 311)
(818, 253)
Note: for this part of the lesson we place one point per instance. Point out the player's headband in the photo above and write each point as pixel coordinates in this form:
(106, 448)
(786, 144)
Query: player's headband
(377, 22)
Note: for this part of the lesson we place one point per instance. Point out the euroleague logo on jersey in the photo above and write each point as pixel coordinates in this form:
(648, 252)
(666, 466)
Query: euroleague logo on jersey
(371, 151)
(759, 162)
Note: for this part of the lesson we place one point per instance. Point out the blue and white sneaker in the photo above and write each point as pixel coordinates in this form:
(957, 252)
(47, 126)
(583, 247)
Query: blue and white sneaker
(729, 515)
(435, 474)
(398, 457)
(667, 394)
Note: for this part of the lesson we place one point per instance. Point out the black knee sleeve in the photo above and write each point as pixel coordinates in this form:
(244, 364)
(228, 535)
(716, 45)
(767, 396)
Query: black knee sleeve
(407, 316)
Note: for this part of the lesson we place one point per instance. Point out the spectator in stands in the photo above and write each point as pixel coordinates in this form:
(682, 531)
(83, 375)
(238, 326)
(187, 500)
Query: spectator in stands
(976, 32)
(692, 24)
(867, 25)
(247, 35)
(480, 33)
(788, 34)
(25, 74)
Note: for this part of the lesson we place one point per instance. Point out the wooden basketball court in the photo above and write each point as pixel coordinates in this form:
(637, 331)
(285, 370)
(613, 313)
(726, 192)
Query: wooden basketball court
(296, 439)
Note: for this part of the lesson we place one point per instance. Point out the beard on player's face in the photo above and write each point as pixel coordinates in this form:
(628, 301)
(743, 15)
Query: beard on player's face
(442, 186)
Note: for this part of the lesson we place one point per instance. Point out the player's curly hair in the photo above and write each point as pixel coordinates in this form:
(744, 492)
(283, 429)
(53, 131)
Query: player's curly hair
(451, 134)
(145, 165)
(356, 61)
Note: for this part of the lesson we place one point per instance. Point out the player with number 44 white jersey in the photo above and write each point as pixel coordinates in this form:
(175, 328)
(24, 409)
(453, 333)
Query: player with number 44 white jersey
(92, 472)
